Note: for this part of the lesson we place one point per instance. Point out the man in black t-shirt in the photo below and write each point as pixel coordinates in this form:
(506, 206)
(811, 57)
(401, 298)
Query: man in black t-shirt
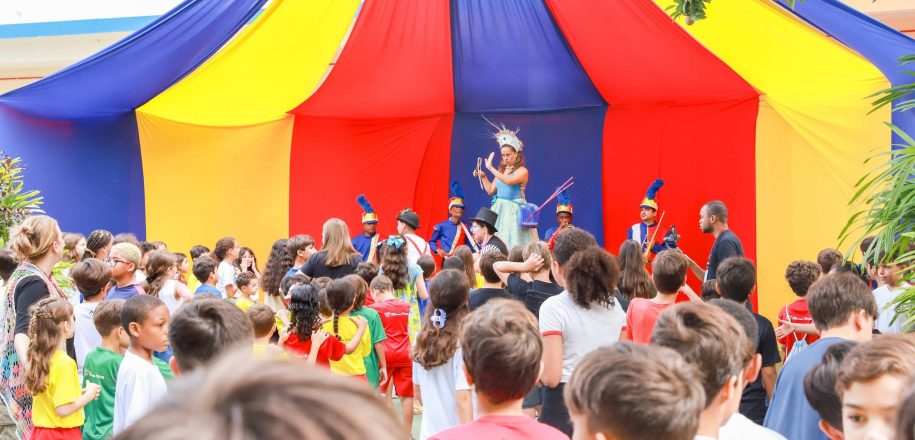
(713, 219)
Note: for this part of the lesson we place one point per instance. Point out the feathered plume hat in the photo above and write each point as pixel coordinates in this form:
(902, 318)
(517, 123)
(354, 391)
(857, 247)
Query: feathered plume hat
(564, 203)
(368, 214)
(650, 200)
(504, 136)
(457, 195)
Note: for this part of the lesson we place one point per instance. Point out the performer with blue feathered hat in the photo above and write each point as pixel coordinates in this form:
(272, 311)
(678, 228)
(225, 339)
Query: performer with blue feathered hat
(644, 231)
(451, 233)
(563, 216)
(366, 242)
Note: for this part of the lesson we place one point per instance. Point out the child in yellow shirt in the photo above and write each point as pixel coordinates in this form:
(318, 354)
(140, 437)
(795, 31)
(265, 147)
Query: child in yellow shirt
(57, 406)
(340, 297)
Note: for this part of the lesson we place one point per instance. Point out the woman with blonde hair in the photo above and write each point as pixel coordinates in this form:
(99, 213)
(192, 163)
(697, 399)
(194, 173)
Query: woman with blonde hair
(338, 258)
(39, 245)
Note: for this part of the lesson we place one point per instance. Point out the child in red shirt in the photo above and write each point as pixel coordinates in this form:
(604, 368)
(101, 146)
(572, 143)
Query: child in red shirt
(668, 271)
(395, 317)
(800, 276)
(305, 327)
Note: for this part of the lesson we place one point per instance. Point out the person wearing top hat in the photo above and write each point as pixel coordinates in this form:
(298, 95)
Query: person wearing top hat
(563, 217)
(644, 231)
(367, 241)
(507, 185)
(483, 228)
(451, 233)
(407, 224)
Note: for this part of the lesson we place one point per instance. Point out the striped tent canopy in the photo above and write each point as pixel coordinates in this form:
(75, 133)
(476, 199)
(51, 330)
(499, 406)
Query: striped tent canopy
(209, 123)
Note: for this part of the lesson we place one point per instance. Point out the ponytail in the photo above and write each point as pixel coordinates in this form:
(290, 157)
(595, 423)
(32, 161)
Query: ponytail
(44, 339)
(336, 321)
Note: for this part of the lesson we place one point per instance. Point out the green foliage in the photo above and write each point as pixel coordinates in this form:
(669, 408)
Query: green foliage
(59, 274)
(694, 10)
(15, 204)
(888, 196)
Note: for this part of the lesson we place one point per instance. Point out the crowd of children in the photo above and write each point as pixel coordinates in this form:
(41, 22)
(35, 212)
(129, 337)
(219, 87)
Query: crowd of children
(541, 343)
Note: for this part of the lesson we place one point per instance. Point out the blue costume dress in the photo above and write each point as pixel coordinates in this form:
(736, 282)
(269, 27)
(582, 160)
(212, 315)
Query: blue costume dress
(364, 245)
(507, 203)
(444, 234)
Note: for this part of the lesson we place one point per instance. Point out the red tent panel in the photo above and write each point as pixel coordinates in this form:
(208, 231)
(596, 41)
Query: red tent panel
(384, 116)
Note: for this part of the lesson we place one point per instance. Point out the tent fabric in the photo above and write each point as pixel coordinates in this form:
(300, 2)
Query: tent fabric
(702, 123)
(384, 116)
(644, 57)
(753, 106)
(557, 145)
(513, 66)
(813, 123)
(510, 57)
(254, 79)
(235, 106)
(130, 72)
(879, 43)
(78, 125)
(211, 182)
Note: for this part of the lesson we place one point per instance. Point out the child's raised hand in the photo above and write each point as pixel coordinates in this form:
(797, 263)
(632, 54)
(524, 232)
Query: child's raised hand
(360, 321)
(93, 390)
(534, 262)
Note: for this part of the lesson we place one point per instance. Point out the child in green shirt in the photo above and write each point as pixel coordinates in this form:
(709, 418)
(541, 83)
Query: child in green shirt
(376, 369)
(101, 368)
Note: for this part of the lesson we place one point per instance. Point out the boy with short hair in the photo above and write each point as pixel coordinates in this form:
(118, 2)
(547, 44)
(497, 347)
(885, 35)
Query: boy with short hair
(263, 320)
(828, 259)
(102, 366)
(92, 279)
(738, 426)
(492, 284)
(631, 391)
(534, 289)
(888, 321)
(124, 260)
(140, 384)
(715, 344)
(871, 382)
(820, 389)
(669, 274)
(247, 290)
(842, 308)
(368, 271)
(736, 280)
(196, 252)
(300, 248)
(395, 316)
(205, 272)
(800, 275)
(710, 290)
(502, 349)
(204, 329)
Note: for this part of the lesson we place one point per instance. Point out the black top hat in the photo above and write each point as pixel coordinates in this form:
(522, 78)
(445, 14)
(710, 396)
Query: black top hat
(488, 216)
(409, 217)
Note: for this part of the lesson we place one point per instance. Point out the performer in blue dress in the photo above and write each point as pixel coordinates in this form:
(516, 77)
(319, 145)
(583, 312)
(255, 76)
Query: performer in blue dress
(507, 187)
(451, 233)
(366, 242)
(563, 216)
(644, 231)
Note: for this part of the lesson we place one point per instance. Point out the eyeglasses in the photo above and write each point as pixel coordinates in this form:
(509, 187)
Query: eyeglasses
(114, 261)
